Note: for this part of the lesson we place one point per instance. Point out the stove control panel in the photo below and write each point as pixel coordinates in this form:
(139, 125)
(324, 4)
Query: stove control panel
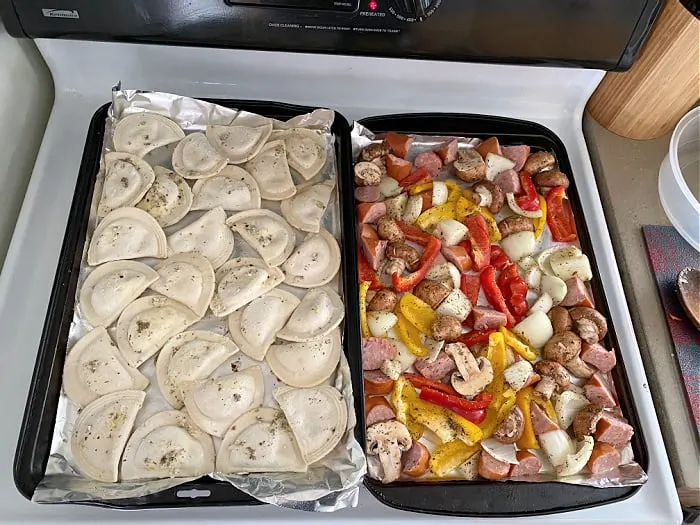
(604, 34)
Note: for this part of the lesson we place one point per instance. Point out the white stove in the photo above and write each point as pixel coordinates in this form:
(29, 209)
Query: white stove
(84, 73)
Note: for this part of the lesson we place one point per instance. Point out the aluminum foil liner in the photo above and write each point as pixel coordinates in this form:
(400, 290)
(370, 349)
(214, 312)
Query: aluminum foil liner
(329, 485)
(629, 474)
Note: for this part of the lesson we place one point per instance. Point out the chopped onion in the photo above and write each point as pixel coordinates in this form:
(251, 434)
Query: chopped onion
(389, 187)
(496, 164)
(536, 329)
(574, 463)
(626, 454)
(512, 203)
(500, 451)
(554, 286)
(557, 445)
(543, 257)
(380, 322)
(567, 405)
(546, 467)
(542, 304)
(440, 193)
(519, 245)
(565, 267)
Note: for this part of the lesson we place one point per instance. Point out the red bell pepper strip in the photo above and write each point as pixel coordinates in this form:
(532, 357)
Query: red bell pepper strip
(410, 281)
(470, 285)
(528, 198)
(560, 218)
(498, 257)
(494, 294)
(366, 273)
(479, 402)
(514, 290)
(417, 177)
(414, 234)
(421, 382)
(479, 238)
(475, 337)
(475, 416)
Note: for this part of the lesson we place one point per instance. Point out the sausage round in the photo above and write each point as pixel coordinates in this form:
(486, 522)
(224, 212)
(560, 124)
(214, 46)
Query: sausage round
(541, 423)
(508, 181)
(375, 351)
(430, 161)
(598, 392)
(415, 460)
(517, 154)
(367, 194)
(377, 409)
(528, 464)
(436, 370)
(369, 212)
(598, 356)
(448, 151)
(603, 458)
(491, 468)
(376, 383)
(613, 431)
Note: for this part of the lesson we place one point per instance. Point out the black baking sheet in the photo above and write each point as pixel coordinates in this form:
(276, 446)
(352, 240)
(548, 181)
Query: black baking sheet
(36, 432)
(509, 498)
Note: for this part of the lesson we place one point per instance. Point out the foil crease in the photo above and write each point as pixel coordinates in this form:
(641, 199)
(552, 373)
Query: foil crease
(328, 485)
(630, 474)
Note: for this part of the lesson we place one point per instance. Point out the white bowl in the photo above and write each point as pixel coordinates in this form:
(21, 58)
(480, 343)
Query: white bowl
(683, 163)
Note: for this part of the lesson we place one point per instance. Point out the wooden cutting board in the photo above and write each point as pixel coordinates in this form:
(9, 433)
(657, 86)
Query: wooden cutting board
(663, 84)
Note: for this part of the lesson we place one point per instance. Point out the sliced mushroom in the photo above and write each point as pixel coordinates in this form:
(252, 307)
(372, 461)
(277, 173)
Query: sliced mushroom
(367, 174)
(388, 440)
(374, 151)
(488, 194)
(473, 374)
(590, 324)
(388, 229)
(470, 166)
(579, 368)
(554, 378)
(539, 161)
(383, 301)
(586, 420)
(405, 252)
(515, 224)
(511, 428)
(431, 292)
(551, 179)
(446, 328)
(562, 347)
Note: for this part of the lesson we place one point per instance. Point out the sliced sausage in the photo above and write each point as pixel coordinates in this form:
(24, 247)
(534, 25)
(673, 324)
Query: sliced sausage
(377, 409)
(488, 319)
(459, 256)
(539, 161)
(446, 328)
(369, 212)
(613, 430)
(597, 391)
(448, 151)
(604, 458)
(598, 356)
(517, 154)
(430, 161)
(511, 428)
(368, 194)
(528, 464)
(372, 247)
(540, 420)
(491, 468)
(561, 320)
(469, 166)
(427, 197)
(374, 151)
(388, 229)
(575, 292)
(515, 224)
(415, 460)
(375, 351)
(436, 370)
(398, 143)
(431, 292)
(509, 181)
(490, 145)
(376, 383)
(397, 168)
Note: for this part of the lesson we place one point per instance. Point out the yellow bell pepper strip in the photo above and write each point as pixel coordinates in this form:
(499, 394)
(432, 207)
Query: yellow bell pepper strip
(525, 350)
(410, 336)
(548, 407)
(420, 188)
(494, 232)
(402, 396)
(417, 312)
(448, 456)
(540, 222)
(432, 216)
(497, 412)
(454, 192)
(528, 439)
(364, 327)
(496, 354)
(464, 208)
(447, 425)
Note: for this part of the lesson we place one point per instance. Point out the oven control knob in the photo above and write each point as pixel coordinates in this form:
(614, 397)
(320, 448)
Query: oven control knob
(413, 10)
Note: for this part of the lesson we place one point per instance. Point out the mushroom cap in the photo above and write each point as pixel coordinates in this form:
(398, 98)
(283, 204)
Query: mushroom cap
(589, 314)
(562, 347)
(385, 432)
(586, 420)
(556, 371)
(497, 195)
